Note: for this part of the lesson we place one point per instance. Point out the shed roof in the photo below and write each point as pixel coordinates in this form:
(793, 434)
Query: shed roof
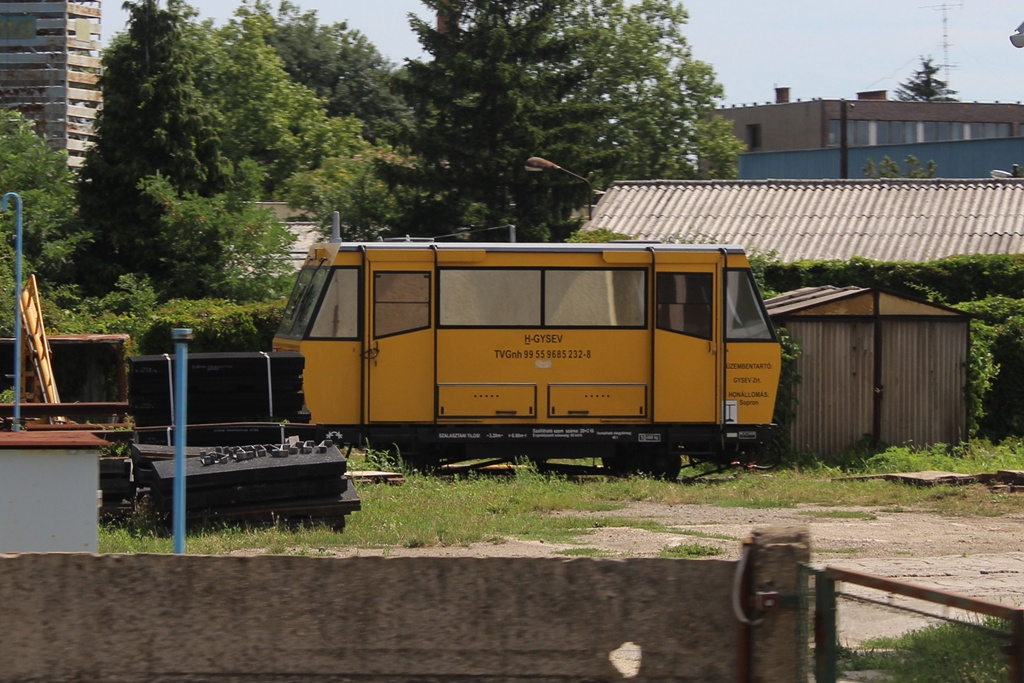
(853, 301)
(885, 220)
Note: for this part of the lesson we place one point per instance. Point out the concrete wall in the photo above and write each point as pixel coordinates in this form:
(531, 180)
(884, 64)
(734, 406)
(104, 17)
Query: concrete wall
(271, 618)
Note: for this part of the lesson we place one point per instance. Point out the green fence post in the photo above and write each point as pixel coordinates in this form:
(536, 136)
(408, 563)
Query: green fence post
(825, 640)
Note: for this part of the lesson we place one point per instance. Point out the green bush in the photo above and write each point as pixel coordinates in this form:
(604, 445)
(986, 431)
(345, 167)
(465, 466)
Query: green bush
(217, 326)
(955, 279)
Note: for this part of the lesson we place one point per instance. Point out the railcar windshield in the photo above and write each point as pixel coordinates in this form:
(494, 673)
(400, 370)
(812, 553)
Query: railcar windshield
(301, 304)
(745, 317)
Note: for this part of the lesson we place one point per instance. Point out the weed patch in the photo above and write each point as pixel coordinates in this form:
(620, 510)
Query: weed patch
(690, 551)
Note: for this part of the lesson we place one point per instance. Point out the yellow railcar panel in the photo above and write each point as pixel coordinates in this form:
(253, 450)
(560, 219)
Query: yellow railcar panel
(461, 256)
(543, 357)
(642, 257)
(385, 257)
(686, 381)
(486, 400)
(331, 380)
(752, 373)
(597, 400)
(690, 257)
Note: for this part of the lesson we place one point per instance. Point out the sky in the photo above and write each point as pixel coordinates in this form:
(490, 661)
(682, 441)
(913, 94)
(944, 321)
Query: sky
(818, 49)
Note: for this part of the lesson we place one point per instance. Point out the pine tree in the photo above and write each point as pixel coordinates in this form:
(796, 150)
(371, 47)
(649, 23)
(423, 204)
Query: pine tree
(153, 123)
(495, 93)
(923, 86)
(605, 88)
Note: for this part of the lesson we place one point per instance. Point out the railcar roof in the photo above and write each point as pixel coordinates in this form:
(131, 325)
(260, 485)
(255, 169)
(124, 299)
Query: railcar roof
(539, 247)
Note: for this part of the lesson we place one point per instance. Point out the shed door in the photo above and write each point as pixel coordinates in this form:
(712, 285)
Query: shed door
(836, 366)
(923, 375)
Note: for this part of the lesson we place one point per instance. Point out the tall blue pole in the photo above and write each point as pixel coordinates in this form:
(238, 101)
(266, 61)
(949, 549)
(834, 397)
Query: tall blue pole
(181, 337)
(17, 306)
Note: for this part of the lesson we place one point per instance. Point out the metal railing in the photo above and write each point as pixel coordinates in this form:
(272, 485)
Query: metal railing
(826, 641)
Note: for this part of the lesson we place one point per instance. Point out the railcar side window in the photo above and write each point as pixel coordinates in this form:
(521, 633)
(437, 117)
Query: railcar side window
(484, 297)
(745, 317)
(401, 302)
(684, 303)
(338, 315)
(594, 298)
(302, 302)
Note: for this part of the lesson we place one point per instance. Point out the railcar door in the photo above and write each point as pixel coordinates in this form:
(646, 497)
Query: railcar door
(322, 321)
(687, 340)
(399, 353)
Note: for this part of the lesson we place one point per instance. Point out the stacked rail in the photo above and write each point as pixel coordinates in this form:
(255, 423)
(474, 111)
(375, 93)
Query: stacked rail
(222, 388)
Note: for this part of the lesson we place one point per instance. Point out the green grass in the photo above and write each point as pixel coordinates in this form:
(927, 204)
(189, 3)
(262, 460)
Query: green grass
(690, 551)
(438, 511)
(704, 534)
(586, 552)
(937, 654)
(838, 514)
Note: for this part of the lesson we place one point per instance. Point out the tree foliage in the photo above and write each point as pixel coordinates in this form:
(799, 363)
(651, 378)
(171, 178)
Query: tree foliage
(351, 186)
(51, 231)
(153, 122)
(923, 86)
(662, 99)
(221, 246)
(888, 168)
(605, 87)
(262, 113)
(341, 66)
(495, 92)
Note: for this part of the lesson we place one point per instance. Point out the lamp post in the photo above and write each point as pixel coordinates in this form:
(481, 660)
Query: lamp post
(539, 164)
(17, 305)
(181, 336)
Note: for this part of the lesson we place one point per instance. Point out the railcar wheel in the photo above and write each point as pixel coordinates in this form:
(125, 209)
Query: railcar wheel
(622, 463)
(661, 464)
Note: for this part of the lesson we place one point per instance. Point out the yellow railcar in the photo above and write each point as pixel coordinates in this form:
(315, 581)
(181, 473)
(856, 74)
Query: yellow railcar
(639, 354)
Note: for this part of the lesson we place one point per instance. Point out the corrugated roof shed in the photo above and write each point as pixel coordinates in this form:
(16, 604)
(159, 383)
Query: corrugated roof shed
(886, 220)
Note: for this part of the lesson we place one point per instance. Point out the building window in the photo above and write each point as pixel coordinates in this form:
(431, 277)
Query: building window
(861, 133)
(754, 136)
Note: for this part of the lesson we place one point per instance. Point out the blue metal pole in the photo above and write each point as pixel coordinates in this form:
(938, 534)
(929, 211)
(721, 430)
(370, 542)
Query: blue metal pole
(181, 337)
(17, 306)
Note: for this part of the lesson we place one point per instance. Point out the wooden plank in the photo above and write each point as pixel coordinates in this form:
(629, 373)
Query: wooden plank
(376, 477)
(70, 409)
(927, 478)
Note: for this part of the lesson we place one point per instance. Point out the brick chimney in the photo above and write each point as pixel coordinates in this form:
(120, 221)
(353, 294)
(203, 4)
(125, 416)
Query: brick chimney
(873, 95)
(781, 95)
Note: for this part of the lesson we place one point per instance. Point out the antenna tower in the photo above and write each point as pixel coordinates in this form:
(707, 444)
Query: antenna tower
(944, 8)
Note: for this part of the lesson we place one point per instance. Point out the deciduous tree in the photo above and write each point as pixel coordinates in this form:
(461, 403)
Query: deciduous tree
(341, 66)
(40, 175)
(662, 98)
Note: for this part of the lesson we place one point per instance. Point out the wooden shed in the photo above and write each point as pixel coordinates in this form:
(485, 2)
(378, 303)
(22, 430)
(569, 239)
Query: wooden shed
(875, 366)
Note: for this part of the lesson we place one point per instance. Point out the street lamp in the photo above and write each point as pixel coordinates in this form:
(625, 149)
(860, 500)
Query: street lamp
(1017, 39)
(539, 164)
